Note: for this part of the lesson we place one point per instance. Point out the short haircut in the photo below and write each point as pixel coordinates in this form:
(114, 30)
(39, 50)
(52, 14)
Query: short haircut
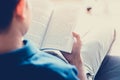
(7, 8)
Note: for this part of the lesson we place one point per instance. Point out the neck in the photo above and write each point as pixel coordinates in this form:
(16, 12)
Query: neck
(10, 42)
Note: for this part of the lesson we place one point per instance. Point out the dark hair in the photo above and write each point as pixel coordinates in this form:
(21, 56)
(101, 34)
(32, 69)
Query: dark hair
(7, 8)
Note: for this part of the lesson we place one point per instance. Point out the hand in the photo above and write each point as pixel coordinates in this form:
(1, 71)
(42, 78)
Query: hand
(74, 58)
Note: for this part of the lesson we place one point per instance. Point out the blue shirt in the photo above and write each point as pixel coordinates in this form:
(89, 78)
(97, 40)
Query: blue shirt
(28, 63)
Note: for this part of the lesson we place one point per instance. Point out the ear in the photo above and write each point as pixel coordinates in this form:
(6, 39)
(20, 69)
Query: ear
(20, 9)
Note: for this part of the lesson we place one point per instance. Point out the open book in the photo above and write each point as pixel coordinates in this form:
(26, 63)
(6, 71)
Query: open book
(56, 32)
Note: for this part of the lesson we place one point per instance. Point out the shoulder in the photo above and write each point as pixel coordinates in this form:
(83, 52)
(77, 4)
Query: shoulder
(53, 66)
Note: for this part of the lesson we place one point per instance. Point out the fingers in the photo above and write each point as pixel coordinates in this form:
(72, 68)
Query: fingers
(77, 37)
(74, 57)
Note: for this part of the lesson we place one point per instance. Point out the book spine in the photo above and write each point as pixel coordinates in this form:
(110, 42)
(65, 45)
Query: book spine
(42, 42)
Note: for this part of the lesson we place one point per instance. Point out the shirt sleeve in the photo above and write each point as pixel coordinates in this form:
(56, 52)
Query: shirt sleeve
(59, 70)
(59, 73)
(50, 67)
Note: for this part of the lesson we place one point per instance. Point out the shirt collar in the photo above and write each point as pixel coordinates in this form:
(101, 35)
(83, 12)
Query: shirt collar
(20, 54)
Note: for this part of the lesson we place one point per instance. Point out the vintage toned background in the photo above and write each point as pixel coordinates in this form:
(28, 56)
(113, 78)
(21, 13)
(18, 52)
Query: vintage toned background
(102, 8)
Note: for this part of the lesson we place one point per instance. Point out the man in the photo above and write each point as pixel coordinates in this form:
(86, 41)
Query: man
(20, 60)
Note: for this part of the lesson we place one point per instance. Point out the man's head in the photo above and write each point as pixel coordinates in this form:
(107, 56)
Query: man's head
(14, 14)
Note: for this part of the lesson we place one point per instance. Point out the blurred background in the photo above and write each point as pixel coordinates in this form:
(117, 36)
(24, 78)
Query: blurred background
(109, 9)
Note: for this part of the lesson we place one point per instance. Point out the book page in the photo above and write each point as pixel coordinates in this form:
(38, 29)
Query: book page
(60, 28)
(84, 25)
(41, 13)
